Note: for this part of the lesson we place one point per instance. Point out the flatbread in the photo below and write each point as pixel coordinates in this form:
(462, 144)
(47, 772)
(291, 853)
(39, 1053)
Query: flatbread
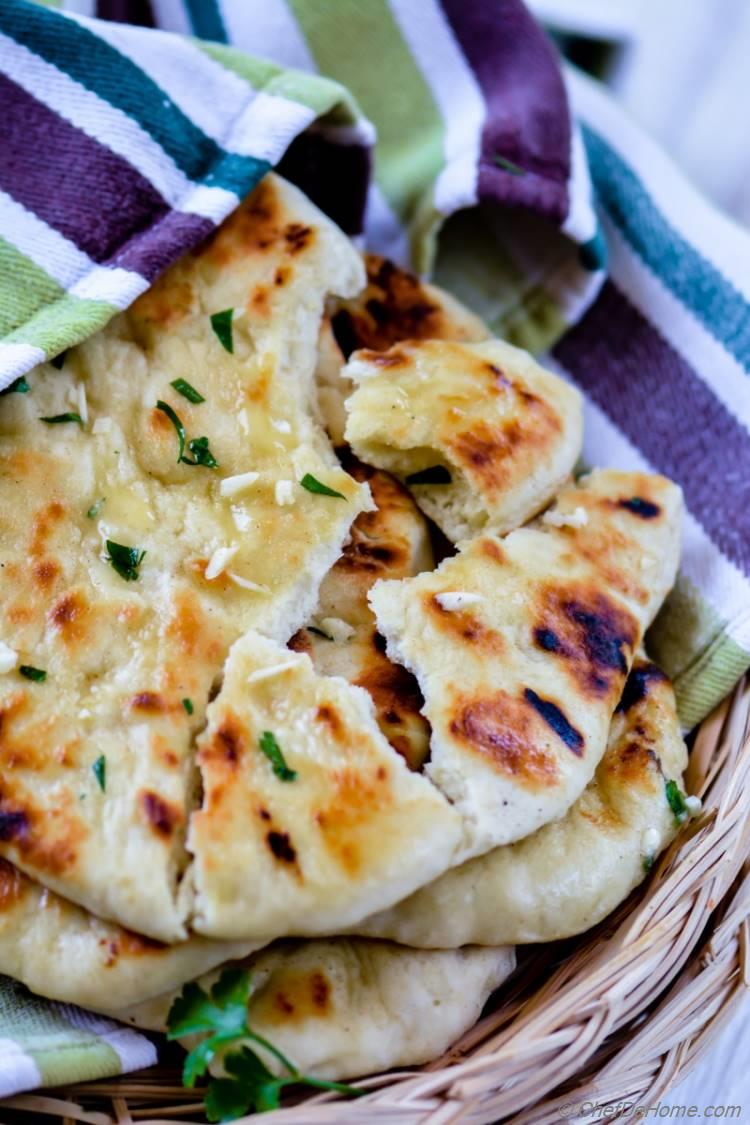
(390, 542)
(522, 646)
(395, 305)
(122, 655)
(341, 1008)
(572, 873)
(60, 951)
(483, 434)
(350, 832)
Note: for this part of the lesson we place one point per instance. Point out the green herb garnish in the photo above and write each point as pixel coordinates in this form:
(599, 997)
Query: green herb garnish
(125, 560)
(56, 419)
(184, 388)
(648, 862)
(19, 386)
(272, 751)
(312, 484)
(508, 165)
(99, 770)
(221, 322)
(175, 420)
(319, 632)
(676, 800)
(436, 474)
(38, 675)
(188, 705)
(59, 360)
(197, 446)
(95, 509)
(202, 454)
(222, 1016)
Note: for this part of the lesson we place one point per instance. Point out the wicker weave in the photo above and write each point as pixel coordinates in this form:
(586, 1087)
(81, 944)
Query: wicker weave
(612, 1017)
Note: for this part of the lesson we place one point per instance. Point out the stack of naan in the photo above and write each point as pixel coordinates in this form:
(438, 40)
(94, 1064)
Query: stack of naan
(314, 656)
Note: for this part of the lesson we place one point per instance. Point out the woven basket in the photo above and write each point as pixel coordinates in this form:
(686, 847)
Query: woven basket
(615, 1016)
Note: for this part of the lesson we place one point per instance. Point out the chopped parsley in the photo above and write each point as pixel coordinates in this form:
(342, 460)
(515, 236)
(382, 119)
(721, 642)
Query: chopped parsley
(202, 454)
(19, 386)
(99, 770)
(676, 800)
(59, 360)
(197, 446)
(95, 509)
(221, 1016)
(272, 751)
(436, 474)
(187, 391)
(312, 484)
(38, 675)
(125, 560)
(319, 632)
(56, 419)
(648, 862)
(188, 705)
(221, 322)
(508, 165)
(175, 420)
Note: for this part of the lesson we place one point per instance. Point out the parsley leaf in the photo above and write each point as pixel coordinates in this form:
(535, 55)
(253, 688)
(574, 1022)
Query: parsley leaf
(125, 560)
(99, 769)
(203, 455)
(272, 751)
(19, 386)
(95, 509)
(312, 484)
(436, 474)
(38, 675)
(222, 1016)
(188, 705)
(197, 446)
(676, 800)
(55, 419)
(508, 165)
(175, 420)
(648, 862)
(187, 391)
(221, 322)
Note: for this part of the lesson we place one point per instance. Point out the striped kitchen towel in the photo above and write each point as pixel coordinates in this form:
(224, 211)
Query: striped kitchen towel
(442, 132)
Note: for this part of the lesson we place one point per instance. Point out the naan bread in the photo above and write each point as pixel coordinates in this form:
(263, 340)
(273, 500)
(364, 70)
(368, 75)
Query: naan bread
(390, 542)
(572, 873)
(346, 1007)
(482, 434)
(395, 305)
(350, 832)
(222, 555)
(522, 646)
(60, 951)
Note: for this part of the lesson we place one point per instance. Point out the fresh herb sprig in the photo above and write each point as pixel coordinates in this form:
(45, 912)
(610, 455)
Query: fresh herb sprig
(197, 446)
(312, 484)
(222, 1016)
(270, 747)
(57, 419)
(19, 386)
(221, 322)
(187, 391)
(29, 672)
(99, 770)
(677, 802)
(125, 560)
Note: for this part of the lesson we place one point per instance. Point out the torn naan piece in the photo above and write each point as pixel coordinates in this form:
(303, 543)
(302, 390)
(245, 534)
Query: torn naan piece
(522, 646)
(572, 873)
(395, 305)
(482, 434)
(60, 951)
(309, 817)
(392, 541)
(154, 505)
(342, 1007)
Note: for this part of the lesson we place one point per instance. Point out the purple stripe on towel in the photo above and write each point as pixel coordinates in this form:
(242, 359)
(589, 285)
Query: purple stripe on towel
(103, 202)
(528, 121)
(666, 410)
(152, 250)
